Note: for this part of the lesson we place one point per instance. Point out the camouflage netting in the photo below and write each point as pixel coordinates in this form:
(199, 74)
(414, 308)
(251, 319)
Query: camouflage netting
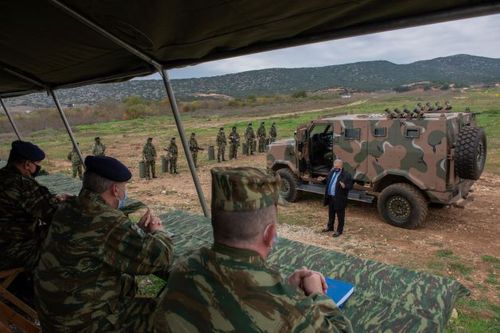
(386, 299)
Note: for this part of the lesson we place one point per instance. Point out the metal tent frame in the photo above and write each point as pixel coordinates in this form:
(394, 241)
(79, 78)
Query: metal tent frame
(166, 82)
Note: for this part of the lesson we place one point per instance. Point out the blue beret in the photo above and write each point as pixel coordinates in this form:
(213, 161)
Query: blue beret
(108, 167)
(27, 150)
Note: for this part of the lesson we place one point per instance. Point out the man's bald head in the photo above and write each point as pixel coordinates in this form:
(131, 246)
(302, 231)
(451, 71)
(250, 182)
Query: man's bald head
(338, 163)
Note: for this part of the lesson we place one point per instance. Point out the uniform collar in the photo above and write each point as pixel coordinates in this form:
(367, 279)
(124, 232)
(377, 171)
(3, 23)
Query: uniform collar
(237, 253)
(88, 196)
(12, 168)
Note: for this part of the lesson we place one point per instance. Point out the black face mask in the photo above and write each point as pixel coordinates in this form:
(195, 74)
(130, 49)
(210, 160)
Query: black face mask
(37, 171)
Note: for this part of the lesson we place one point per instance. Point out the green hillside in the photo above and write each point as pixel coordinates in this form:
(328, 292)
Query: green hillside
(364, 76)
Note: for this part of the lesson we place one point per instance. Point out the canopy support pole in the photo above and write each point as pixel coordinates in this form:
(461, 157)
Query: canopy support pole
(11, 120)
(185, 144)
(66, 124)
(141, 55)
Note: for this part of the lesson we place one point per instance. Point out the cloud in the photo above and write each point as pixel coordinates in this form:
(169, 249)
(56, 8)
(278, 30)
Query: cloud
(476, 36)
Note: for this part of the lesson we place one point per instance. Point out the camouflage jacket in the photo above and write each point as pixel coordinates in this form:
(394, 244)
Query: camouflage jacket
(224, 289)
(234, 138)
(249, 133)
(149, 152)
(193, 144)
(172, 149)
(24, 205)
(273, 132)
(261, 132)
(98, 149)
(221, 139)
(74, 158)
(85, 278)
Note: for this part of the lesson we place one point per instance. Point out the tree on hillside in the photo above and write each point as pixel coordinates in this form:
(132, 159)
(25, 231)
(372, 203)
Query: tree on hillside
(299, 94)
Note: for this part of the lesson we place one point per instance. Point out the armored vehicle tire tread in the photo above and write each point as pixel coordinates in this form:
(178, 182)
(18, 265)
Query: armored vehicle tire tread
(291, 182)
(470, 153)
(408, 200)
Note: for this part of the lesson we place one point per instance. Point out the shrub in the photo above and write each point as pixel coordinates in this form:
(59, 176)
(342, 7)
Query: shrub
(138, 111)
(299, 94)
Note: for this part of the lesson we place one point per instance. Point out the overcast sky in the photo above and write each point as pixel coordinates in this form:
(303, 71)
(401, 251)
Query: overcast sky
(478, 36)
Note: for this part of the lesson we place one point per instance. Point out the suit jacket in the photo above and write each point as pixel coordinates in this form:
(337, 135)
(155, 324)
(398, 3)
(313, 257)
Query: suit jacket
(340, 193)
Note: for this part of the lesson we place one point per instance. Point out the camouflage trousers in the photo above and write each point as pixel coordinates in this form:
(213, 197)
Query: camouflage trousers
(272, 139)
(262, 144)
(150, 168)
(173, 164)
(136, 316)
(251, 146)
(194, 155)
(233, 151)
(23, 254)
(221, 149)
(133, 315)
(77, 170)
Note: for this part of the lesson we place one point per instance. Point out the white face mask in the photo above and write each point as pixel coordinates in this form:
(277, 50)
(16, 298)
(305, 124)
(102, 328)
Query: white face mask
(122, 201)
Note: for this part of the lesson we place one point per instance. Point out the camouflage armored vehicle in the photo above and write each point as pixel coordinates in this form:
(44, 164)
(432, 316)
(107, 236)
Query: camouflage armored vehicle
(404, 160)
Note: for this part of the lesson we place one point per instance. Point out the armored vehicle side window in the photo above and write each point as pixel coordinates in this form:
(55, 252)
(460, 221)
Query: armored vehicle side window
(352, 133)
(380, 131)
(412, 132)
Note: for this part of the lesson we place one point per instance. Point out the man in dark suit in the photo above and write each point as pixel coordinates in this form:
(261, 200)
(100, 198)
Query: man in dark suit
(338, 185)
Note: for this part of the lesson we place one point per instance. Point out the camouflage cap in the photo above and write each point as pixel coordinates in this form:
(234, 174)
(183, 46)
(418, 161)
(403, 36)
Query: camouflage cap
(244, 189)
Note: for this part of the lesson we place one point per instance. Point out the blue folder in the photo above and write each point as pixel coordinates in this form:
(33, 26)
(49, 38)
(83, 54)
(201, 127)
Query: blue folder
(339, 291)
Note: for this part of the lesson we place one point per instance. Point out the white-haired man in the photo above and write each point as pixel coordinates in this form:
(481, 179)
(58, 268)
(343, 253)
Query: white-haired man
(338, 184)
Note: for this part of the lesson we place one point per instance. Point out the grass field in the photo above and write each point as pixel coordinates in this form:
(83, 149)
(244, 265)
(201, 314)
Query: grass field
(476, 315)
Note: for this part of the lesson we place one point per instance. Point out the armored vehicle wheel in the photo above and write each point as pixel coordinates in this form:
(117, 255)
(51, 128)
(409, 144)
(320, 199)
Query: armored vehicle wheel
(470, 153)
(289, 185)
(402, 205)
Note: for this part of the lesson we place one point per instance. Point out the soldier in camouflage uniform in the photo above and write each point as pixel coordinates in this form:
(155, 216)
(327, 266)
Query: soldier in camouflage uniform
(85, 279)
(229, 287)
(149, 156)
(194, 148)
(273, 133)
(261, 133)
(173, 152)
(221, 144)
(26, 207)
(250, 138)
(234, 141)
(98, 149)
(76, 163)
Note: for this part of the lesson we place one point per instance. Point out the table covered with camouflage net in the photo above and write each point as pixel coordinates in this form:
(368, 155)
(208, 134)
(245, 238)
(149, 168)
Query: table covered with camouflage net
(386, 298)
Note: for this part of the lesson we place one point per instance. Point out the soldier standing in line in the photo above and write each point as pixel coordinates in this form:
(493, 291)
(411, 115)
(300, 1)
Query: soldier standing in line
(234, 141)
(232, 275)
(173, 152)
(250, 139)
(221, 144)
(76, 162)
(273, 133)
(194, 148)
(149, 157)
(85, 280)
(98, 149)
(261, 133)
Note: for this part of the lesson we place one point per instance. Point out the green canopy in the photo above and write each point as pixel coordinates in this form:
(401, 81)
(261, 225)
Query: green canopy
(42, 45)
